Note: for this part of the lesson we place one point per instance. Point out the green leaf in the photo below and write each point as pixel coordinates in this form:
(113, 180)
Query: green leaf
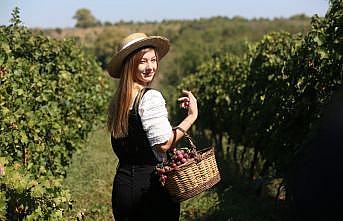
(23, 137)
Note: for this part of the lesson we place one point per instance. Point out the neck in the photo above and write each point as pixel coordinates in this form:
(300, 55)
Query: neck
(137, 86)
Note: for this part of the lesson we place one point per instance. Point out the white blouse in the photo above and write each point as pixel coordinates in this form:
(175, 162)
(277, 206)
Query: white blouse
(154, 116)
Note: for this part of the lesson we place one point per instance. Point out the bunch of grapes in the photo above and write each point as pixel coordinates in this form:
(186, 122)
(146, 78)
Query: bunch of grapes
(175, 158)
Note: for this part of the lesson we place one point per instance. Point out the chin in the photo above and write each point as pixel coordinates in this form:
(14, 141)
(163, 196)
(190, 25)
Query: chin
(145, 80)
(148, 79)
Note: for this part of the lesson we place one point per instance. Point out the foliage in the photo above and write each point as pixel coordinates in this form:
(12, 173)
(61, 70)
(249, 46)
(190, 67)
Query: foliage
(51, 96)
(85, 19)
(104, 47)
(23, 195)
(272, 98)
(192, 41)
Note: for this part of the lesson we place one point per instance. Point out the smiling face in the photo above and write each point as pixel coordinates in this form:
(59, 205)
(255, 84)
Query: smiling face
(147, 67)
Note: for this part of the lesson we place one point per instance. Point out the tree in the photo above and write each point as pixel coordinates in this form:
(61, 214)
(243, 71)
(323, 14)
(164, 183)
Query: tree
(85, 19)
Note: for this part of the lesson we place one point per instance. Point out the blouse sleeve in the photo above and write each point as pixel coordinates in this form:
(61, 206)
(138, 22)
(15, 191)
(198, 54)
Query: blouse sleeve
(153, 112)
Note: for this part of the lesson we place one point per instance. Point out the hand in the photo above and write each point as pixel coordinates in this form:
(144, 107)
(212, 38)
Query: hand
(189, 102)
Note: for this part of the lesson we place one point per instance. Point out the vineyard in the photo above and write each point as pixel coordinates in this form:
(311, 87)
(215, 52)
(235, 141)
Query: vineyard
(51, 95)
(270, 101)
(261, 109)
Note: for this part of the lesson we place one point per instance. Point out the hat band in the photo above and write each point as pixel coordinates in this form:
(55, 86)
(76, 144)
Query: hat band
(132, 42)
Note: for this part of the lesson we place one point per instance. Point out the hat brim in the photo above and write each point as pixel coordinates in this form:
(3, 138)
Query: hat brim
(160, 44)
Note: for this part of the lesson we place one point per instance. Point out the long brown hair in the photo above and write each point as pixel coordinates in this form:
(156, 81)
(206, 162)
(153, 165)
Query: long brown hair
(118, 112)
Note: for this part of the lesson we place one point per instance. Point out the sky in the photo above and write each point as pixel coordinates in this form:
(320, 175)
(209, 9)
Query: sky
(59, 13)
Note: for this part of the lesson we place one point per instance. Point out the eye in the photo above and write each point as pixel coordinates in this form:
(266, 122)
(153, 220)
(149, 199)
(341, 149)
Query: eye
(153, 60)
(142, 61)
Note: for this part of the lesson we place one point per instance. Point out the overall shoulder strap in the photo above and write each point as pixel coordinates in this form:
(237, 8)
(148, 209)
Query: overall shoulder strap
(139, 98)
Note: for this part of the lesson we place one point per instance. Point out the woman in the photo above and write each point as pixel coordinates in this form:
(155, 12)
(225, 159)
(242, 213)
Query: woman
(140, 130)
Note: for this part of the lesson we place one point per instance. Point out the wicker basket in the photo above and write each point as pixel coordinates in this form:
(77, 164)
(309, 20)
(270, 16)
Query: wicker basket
(195, 176)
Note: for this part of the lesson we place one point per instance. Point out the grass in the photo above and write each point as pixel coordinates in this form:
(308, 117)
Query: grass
(91, 175)
(233, 199)
(90, 178)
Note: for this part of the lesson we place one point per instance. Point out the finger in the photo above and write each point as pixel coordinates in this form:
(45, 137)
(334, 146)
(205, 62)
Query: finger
(186, 92)
(189, 94)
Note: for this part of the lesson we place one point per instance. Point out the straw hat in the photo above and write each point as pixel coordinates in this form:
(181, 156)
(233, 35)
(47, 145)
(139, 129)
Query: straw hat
(132, 43)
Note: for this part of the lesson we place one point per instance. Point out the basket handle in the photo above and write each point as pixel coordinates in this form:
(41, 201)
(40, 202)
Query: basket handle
(188, 138)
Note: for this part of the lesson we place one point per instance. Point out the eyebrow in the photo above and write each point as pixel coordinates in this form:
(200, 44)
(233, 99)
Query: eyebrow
(150, 58)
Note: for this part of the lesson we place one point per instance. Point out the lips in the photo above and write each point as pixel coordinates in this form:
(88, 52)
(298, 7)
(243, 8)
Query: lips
(148, 74)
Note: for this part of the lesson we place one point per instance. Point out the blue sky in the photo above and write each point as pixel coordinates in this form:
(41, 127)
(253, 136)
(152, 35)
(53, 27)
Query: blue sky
(59, 13)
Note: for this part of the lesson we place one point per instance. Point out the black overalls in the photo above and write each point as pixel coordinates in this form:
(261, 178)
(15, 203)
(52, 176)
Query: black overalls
(137, 193)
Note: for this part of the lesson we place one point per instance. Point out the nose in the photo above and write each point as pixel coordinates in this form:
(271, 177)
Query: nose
(149, 65)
